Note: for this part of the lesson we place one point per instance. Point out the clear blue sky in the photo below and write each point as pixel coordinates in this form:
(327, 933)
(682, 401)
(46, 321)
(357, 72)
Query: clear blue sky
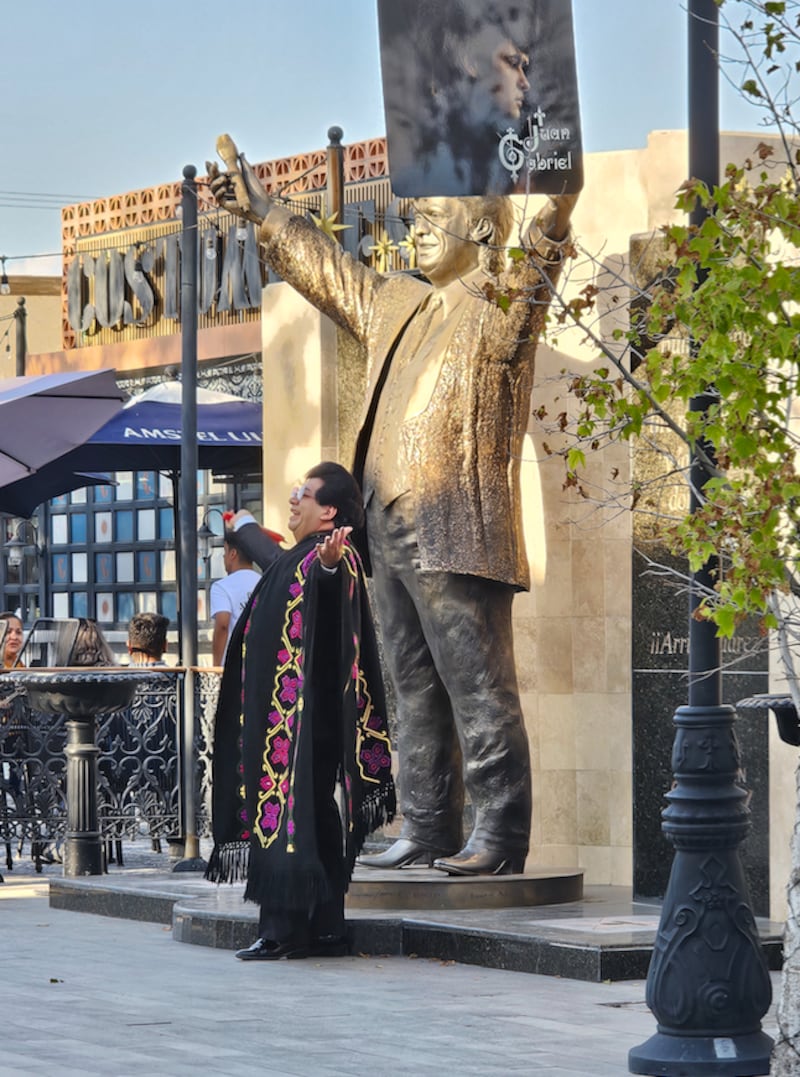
(98, 98)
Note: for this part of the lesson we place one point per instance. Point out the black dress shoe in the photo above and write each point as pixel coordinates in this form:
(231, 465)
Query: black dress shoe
(329, 946)
(485, 862)
(402, 854)
(268, 950)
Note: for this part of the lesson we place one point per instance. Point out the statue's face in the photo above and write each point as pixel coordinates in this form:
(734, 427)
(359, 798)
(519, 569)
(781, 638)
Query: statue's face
(444, 249)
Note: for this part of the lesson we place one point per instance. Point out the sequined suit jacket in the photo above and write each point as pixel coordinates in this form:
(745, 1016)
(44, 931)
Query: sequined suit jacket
(464, 446)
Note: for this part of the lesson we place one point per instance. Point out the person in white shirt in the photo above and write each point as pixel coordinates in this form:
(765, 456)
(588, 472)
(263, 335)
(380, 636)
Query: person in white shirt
(229, 595)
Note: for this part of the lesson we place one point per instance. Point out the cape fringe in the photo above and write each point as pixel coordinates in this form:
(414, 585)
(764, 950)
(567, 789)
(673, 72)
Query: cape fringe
(290, 888)
(229, 862)
(377, 809)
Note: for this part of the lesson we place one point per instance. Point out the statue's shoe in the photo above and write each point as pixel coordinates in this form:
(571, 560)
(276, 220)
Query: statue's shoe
(482, 862)
(402, 854)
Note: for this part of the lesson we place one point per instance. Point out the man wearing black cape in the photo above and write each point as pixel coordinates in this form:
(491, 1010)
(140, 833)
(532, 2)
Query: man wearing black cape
(301, 708)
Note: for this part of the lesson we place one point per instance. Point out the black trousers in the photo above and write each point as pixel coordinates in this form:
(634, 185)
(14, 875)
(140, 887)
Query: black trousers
(449, 647)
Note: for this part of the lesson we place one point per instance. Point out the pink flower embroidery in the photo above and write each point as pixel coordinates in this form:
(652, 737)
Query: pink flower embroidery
(296, 628)
(288, 692)
(280, 751)
(375, 759)
(295, 589)
(269, 818)
(266, 783)
(290, 828)
(274, 718)
(283, 656)
(285, 786)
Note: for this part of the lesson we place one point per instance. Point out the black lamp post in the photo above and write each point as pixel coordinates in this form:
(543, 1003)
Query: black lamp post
(708, 984)
(25, 539)
(187, 515)
(206, 534)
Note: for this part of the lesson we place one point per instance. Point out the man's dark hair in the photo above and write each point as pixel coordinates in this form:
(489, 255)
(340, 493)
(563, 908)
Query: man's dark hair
(147, 632)
(233, 539)
(341, 490)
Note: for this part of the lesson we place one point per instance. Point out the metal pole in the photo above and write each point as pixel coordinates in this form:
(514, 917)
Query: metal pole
(21, 317)
(708, 985)
(336, 176)
(187, 515)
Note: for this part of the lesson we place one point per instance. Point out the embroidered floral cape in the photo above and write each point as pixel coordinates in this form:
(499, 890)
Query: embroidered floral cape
(302, 653)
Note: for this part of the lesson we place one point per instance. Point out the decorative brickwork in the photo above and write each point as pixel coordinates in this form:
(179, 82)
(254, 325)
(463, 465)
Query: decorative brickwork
(301, 175)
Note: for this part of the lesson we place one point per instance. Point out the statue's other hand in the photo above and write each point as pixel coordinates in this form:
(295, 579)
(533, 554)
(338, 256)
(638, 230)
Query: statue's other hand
(238, 190)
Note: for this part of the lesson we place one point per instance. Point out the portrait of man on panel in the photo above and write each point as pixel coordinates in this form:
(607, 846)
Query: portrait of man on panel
(480, 97)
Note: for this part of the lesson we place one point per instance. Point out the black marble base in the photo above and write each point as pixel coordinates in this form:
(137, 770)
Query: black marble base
(605, 936)
(660, 686)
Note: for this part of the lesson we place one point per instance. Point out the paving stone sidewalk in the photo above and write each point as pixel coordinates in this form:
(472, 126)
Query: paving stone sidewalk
(86, 995)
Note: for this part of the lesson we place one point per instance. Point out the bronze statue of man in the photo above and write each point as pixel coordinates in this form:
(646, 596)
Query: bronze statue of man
(449, 382)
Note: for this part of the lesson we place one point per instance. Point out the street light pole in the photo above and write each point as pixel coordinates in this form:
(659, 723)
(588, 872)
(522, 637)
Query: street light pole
(708, 984)
(187, 515)
(21, 318)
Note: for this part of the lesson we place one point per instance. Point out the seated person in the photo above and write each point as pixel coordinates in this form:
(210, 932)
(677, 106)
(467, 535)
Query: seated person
(12, 642)
(90, 647)
(147, 639)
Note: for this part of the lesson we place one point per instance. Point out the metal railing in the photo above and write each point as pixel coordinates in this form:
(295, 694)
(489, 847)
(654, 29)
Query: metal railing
(139, 781)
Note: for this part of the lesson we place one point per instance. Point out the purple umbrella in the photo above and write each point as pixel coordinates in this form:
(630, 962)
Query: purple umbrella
(44, 416)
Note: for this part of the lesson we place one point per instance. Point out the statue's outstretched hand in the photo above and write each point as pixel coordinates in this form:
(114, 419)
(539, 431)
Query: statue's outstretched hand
(238, 189)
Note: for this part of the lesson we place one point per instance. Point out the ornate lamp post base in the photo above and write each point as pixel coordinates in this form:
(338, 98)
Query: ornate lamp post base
(736, 1056)
(708, 985)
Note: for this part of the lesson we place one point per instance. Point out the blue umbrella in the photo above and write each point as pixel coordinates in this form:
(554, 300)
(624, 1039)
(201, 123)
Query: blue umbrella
(23, 497)
(146, 434)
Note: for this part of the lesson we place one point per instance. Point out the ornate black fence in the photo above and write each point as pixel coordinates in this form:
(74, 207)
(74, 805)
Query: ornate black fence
(139, 781)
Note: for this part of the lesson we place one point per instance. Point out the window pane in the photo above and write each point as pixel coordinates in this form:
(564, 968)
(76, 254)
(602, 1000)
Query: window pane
(217, 563)
(124, 520)
(104, 568)
(105, 607)
(102, 527)
(146, 567)
(103, 495)
(77, 527)
(165, 486)
(78, 497)
(80, 604)
(145, 484)
(60, 568)
(148, 602)
(167, 566)
(58, 530)
(61, 604)
(202, 607)
(124, 485)
(126, 606)
(169, 605)
(147, 525)
(59, 502)
(80, 568)
(124, 568)
(166, 524)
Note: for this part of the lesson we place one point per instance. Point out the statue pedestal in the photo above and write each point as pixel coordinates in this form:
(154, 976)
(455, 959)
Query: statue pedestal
(427, 888)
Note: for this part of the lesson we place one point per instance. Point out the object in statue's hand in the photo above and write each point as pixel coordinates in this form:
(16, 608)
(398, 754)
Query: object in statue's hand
(226, 148)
